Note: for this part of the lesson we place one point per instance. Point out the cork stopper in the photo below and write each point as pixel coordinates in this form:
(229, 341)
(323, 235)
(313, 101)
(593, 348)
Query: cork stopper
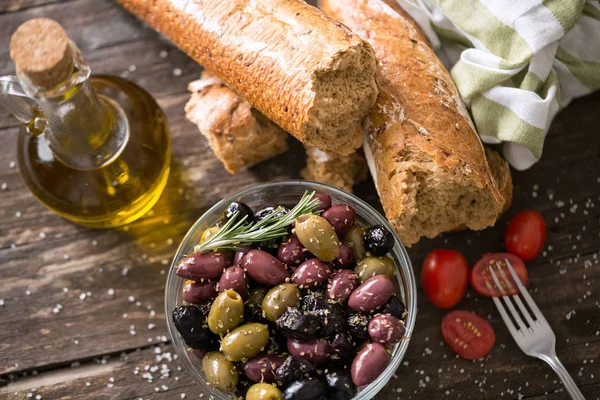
(40, 49)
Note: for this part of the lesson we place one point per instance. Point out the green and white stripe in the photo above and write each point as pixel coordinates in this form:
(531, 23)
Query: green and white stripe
(515, 63)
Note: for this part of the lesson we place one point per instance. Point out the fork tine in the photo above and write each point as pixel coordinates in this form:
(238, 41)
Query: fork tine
(536, 311)
(507, 301)
(507, 321)
(517, 299)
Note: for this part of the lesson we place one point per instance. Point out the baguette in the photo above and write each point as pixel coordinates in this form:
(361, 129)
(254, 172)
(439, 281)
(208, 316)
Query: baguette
(340, 171)
(426, 159)
(238, 134)
(307, 73)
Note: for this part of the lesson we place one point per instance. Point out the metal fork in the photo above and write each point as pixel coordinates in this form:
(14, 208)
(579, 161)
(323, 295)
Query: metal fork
(535, 338)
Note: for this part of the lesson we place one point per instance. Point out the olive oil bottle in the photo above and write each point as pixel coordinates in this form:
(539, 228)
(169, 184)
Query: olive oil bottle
(95, 149)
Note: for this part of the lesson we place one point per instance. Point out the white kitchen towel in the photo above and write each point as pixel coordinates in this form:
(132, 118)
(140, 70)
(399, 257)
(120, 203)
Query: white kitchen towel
(515, 62)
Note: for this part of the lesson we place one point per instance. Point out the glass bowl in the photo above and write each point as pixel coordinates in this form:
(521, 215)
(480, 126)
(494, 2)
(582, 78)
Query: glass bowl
(289, 192)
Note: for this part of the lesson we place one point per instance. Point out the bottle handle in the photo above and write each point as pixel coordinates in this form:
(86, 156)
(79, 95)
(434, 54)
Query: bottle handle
(12, 97)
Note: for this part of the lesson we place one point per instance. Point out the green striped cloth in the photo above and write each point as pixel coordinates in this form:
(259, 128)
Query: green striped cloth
(515, 62)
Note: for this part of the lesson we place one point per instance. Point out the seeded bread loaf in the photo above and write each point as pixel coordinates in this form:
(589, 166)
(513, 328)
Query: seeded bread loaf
(340, 171)
(427, 161)
(307, 73)
(238, 134)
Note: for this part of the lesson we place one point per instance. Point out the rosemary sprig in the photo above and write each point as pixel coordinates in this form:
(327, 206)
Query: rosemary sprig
(236, 233)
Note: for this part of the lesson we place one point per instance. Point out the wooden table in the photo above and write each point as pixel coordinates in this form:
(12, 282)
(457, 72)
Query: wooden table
(81, 315)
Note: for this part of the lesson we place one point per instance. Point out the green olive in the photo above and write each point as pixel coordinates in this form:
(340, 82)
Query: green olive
(278, 299)
(354, 238)
(263, 391)
(318, 236)
(220, 373)
(245, 342)
(371, 266)
(226, 312)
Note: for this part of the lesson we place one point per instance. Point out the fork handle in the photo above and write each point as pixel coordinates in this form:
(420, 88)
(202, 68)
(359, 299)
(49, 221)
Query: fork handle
(564, 376)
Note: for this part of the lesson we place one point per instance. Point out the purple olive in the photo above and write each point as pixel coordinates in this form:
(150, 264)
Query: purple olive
(264, 268)
(234, 278)
(342, 284)
(199, 292)
(239, 254)
(386, 329)
(315, 350)
(341, 217)
(311, 274)
(345, 258)
(372, 294)
(369, 363)
(198, 266)
(325, 201)
(262, 367)
(291, 252)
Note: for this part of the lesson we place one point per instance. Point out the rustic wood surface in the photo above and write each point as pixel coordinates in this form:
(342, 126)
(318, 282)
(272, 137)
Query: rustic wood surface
(64, 335)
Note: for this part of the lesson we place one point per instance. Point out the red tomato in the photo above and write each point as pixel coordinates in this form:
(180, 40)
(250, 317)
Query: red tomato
(483, 282)
(445, 275)
(525, 235)
(468, 334)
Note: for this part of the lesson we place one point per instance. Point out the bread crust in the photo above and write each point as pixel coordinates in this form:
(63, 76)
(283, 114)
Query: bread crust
(340, 171)
(297, 66)
(419, 132)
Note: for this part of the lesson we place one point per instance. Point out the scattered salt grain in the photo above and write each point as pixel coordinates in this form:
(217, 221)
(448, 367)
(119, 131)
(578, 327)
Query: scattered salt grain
(4, 186)
(163, 54)
(82, 296)
(11, 164)
(125, 271)
(111, 292)
(1, 302)
(42, 235)
(177, 72)
(131, 299)
(94, 243)
(28, 292)
(18, 214)
(132, 68)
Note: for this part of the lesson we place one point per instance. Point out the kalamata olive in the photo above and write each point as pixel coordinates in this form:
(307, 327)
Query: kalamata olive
(239, 255)
(262, 367)
(263, 391)
(394, 307)
(220, 373)
(341, 217)
(264, 212)
(386, 329)
(371, 266)
(245, 341)
(298, 325)
(308, 389)
(324, 201)
(315, 350)
(358, 325)
(199, 292)
(369, 363)
(291, 251)
(341, 285)
(226, 312)
(372, 294)
(264, 268)
(242, 210)
(234, 278)
(332, 317)
(278, 299)
(354, 239)
(208, 232)
(345, 258)
(293, 369)
(340, 384)
(318, 237)
(312, 274)
(200, 266)
(189, 321)
(378, 240)
(342, 347)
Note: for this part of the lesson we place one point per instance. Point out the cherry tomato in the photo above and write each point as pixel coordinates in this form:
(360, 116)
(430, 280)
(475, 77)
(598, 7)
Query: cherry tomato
(483, 282)
(468, 334)
(445, 275)
(525, 235)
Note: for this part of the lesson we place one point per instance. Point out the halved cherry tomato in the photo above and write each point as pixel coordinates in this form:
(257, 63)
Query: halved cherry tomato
(525, 235)
(468, 334)
(445, 276)
(483, 282)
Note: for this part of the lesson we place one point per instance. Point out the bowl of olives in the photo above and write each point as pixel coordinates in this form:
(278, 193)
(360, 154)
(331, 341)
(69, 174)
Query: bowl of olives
(291, 290)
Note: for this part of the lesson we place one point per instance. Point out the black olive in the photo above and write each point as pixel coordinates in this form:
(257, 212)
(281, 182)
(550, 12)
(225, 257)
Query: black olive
(307, 389)
(242, 387)
(293, 369)
(395, 307)
(189, 321)
(277, 343)
(297, 325)
(343, 348)
(378, 240)
(205, 307)
(358, 324)
(340, 384)
(333, 319)
(241, 208)
(313, 301)
(263, 212)
(253, 313)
